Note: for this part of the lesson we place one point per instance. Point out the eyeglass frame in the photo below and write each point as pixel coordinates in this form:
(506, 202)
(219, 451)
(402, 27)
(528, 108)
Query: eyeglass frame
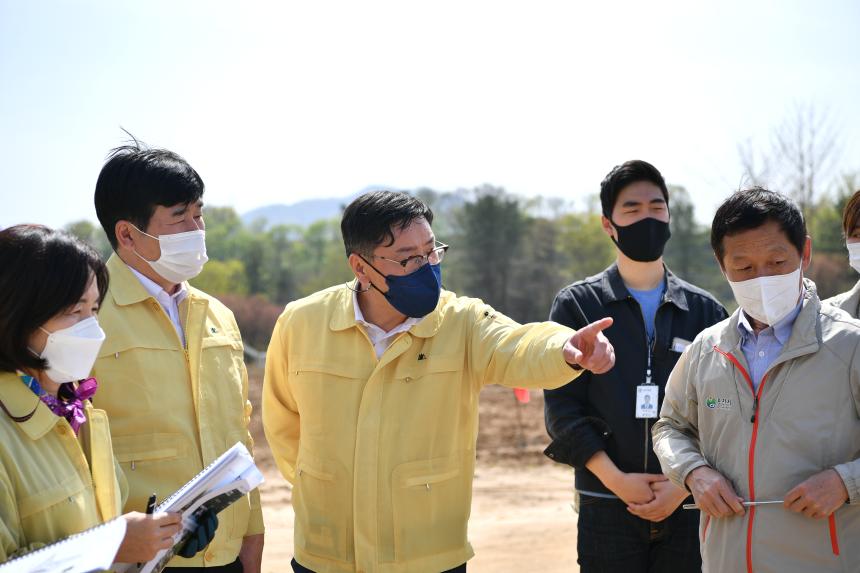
(439, 247)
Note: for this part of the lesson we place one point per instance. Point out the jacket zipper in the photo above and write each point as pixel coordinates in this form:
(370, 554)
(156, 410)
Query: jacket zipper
(834, 538)
(705, 529)
(754, 420)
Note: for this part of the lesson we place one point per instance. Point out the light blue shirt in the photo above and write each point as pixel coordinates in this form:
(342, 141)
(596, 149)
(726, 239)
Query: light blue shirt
(762, 349)
(649, 302)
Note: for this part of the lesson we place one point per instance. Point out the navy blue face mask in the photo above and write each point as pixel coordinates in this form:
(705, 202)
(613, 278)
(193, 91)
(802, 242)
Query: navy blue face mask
(416, 294)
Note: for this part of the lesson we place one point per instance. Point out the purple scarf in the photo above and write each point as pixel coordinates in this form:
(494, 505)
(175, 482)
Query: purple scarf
(69, 402)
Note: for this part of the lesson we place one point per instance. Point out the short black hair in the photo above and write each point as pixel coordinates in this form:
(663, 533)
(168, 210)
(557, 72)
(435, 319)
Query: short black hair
(623, 175)
(752, 208)
(135, 179)
(369, 221)
(44, 273)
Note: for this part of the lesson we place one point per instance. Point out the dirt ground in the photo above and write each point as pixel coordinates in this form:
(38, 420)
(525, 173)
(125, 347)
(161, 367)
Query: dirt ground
(522, 518)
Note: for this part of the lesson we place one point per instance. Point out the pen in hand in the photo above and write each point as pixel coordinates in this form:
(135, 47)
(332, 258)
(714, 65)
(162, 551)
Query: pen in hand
(150, 508)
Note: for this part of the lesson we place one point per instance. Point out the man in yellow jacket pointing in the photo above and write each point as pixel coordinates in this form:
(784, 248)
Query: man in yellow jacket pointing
(371, 391)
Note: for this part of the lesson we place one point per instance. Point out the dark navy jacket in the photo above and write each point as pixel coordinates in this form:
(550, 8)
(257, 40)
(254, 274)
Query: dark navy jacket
(597, 411)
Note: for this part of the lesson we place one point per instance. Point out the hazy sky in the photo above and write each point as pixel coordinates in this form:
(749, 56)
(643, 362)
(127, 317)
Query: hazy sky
(277, 102)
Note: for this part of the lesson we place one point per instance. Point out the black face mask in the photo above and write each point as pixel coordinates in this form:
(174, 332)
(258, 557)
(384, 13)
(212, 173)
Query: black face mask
(643, 241)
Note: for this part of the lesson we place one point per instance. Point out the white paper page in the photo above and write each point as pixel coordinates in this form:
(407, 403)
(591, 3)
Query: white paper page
(91, 550)
(234, 469)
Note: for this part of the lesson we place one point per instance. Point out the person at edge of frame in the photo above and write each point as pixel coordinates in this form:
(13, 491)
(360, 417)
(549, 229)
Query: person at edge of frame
(849, 301)
(761, 420)
(58, 473)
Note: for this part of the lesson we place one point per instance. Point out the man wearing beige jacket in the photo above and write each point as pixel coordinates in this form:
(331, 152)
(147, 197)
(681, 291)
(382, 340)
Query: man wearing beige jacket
(761, 419)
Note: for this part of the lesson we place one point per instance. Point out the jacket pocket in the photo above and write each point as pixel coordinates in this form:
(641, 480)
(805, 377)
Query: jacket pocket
(426, 368)
(211, 341)
(322, 505)
(431, 507)
(222, 356)
(327, 394)
(144, 449)
(66, 491)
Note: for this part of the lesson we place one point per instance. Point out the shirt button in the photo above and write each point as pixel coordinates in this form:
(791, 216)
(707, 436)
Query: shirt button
(209, 556)
(61, 429)
(761, 353)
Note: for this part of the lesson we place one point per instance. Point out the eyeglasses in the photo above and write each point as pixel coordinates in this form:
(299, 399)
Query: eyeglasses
(415, 262)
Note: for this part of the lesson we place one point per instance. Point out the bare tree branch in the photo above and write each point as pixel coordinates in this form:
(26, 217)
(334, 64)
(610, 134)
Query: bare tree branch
(802, 157)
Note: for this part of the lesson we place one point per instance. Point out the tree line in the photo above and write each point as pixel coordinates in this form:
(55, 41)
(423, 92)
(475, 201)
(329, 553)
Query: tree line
(513, 252)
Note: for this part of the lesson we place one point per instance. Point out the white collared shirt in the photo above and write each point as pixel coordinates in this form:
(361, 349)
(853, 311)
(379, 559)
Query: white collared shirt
(169, 302)
(380, 339)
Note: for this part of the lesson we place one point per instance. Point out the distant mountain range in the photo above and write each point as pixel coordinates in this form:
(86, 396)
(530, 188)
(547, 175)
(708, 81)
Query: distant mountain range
(303, 213)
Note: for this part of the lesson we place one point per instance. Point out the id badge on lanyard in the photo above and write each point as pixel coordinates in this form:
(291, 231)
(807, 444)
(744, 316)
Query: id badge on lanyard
(647, 395)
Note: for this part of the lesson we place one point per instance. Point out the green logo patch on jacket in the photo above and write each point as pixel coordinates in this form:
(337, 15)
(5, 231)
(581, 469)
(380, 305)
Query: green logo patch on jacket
(718, 403)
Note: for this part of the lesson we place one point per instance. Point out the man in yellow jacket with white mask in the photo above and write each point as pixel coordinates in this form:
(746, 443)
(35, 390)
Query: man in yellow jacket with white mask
(371, 392)
(173, 378)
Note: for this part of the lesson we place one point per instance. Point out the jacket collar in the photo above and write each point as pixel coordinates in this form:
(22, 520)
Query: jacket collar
(20, 401)
(851, 302)
(125, 287)
(614, 288)
(343, 314)
(806, 333)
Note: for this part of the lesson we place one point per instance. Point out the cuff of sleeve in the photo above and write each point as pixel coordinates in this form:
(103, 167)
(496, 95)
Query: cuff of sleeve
(558, 371)
(846, 472)
(576, 457)
(584, 452)
(576, 448)
(684, 473)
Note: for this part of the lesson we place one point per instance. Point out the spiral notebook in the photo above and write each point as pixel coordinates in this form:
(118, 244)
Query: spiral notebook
(224, 481)
(90, 550)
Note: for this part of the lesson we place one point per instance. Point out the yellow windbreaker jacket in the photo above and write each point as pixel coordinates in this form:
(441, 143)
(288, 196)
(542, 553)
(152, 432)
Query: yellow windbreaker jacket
(381, 453)
(174, 409)
(53, 484)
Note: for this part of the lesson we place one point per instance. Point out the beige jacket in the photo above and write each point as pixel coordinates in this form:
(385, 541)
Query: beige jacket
(805, 419)
(848, 301)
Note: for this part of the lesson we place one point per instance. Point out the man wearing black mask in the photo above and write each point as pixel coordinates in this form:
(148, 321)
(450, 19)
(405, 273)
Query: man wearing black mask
(629, 513)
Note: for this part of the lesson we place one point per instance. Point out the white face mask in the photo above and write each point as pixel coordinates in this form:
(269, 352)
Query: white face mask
(854, 256)
(71, 352)
(768, 299)
(182, 255)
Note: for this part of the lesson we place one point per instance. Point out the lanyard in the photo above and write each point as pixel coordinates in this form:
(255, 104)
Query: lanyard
(651, 343)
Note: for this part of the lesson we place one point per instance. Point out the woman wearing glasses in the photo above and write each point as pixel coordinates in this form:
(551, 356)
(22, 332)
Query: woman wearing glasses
(57, 471)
